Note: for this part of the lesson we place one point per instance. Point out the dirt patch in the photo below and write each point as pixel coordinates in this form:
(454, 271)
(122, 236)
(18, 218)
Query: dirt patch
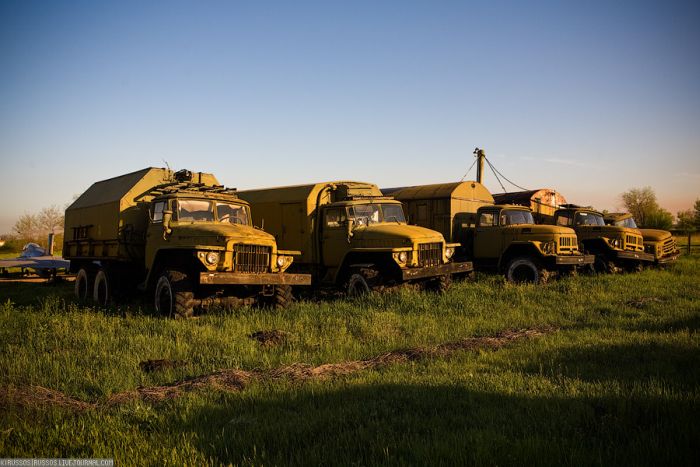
(149, 366)
(237, 380)
(269, 338)
(642, 302)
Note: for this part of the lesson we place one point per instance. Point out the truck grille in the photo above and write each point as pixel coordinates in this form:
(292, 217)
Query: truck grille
(568, 244)
(429, 254)
(251, 258)
(633, 243)
(669, 246)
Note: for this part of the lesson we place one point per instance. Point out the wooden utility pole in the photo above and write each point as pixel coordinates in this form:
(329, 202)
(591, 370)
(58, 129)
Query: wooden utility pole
(480, 156)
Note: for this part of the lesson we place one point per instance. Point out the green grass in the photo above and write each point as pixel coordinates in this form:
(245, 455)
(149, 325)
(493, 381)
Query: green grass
(617, 384)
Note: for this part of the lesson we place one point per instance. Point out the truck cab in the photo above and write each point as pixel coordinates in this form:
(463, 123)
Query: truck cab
(615, 247)
(506, 238)
(659, 243)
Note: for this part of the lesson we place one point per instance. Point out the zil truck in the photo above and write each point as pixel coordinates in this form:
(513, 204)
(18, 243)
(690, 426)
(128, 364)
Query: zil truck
(659, 243)
(615, 247)
(353, 237)
(498, 237)
(181, 236)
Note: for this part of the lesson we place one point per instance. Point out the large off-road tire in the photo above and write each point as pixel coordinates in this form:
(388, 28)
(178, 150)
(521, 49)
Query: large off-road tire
(173, 295)
(357, 285)
(283, 296)
(603, 265)
(439, 284)
(524, 270)
(102, 289)
(83, 287)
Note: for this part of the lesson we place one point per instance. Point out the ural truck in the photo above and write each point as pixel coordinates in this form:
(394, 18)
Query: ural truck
(615, 247)
(659, 243)
(499, 237)
(353, 237)
(181, 236)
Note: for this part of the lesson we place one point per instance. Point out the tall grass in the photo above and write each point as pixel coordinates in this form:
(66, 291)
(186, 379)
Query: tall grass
(618, 383)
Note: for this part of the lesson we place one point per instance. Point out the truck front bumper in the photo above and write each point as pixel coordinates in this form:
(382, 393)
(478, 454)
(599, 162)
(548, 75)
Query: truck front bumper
(409, 274)
(634, 255)
(574, 260)
(239, 278)
(669, 258)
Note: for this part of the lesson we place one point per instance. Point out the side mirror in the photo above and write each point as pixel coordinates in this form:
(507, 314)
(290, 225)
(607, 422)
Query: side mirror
(167, 217)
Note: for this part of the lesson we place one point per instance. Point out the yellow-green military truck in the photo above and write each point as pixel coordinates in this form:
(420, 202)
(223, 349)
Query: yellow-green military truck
(659, 243)
(615, 247)
(181, 236)
(499, 237)
(353, 237)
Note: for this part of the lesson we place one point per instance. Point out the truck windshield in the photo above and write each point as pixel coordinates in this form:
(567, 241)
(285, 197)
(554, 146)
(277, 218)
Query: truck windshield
(516, 217)
(365, 214)
(231, 213)
(629, 222)
(194, 210)
(589, 218)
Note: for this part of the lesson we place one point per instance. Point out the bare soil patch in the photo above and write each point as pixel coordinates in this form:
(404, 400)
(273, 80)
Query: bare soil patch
(237, 380)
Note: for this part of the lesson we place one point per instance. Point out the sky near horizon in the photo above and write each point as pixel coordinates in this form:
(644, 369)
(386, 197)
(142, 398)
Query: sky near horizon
(589, 98)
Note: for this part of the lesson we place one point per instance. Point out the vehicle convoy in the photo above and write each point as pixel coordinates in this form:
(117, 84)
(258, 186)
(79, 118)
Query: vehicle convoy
(499, 237)
(181, 236)
(659, 243)
(353, 237)
(615, 247)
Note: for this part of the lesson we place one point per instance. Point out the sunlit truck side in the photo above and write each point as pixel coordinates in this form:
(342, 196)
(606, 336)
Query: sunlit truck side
(180, 236)
(352, 236)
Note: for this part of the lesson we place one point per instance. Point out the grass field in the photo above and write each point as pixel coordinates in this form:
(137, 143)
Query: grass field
(612, 376)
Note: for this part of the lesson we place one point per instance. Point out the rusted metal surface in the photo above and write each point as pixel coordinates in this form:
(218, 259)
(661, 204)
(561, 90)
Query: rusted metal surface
(575, 259)
(433, 271)
(634, 255)
(233, 278)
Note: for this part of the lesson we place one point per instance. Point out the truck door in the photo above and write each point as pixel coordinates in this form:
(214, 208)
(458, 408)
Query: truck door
(334, 236)
(488, 238)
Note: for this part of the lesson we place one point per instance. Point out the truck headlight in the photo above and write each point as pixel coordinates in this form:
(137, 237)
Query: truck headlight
(403, 256)
(549, 248)
(212, 257)
(449, 251)
(281, 260)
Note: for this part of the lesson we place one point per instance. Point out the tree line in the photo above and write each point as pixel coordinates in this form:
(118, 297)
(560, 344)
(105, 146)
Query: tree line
(642, 204)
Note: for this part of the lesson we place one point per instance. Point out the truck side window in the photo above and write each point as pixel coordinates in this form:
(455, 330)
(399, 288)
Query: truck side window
(335, 218)
(487, 219)
(158, 209)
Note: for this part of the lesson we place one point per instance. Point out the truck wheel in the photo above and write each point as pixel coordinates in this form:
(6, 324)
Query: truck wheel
(83, 285)
(602, 265)
(173, 295)
(440, 284)
(283, 296)
(357, 285)
(524, 270)
(102, 290)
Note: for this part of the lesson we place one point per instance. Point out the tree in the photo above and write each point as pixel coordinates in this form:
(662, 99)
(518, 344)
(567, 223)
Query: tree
(50, 219)
(641, 203)
(686, 220)
(659, 219)
(696, 208)
(27, 227)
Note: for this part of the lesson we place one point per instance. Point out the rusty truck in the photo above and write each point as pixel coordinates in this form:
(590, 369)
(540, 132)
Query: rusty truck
(657, 242)
(181, 236)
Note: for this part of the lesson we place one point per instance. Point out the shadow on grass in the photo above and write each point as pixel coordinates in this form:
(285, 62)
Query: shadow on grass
(673, 365)
(419, 425)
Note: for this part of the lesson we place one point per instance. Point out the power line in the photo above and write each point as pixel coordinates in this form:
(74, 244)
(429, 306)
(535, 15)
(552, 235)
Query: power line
(470, 167)
(496, 174)
(504, 177)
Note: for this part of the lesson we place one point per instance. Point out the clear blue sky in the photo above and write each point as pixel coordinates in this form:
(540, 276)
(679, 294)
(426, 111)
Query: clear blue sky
(591, 98)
